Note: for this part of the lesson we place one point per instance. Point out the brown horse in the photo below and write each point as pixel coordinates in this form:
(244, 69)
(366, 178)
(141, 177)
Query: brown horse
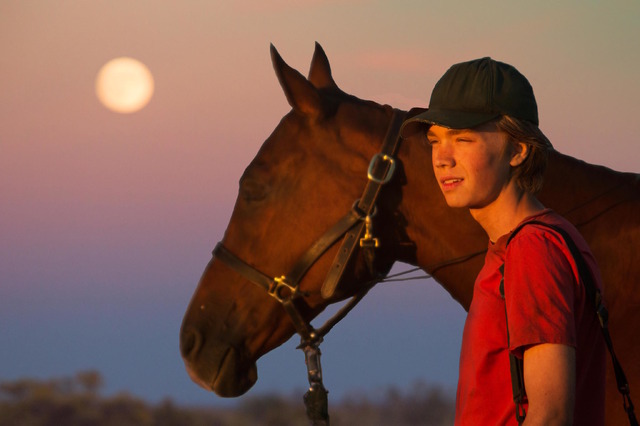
(308, 174)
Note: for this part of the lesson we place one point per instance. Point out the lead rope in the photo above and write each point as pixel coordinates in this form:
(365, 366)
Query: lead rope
(315, 399)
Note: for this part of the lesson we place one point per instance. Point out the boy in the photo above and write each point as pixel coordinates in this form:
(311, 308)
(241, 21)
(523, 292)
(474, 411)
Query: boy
(489, 156)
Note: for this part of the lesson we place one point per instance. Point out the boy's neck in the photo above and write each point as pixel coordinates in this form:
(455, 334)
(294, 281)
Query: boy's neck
(500, 218)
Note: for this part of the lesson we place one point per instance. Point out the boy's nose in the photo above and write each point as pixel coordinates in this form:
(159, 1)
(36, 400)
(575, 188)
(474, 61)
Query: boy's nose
(443, 156)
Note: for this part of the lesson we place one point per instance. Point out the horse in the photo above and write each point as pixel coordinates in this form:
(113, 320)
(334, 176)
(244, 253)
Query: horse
(312, 170)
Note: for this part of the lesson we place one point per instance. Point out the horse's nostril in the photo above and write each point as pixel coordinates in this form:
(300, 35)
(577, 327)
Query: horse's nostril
(190, 341)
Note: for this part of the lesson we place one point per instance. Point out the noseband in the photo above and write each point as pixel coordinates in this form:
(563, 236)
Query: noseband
(285, 289)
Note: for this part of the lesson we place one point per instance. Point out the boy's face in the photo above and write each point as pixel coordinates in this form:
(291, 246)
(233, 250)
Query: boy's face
(472, 166)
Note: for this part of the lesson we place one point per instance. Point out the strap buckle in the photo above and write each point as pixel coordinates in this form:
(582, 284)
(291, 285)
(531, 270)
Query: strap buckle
(278, 285)
(388, 173)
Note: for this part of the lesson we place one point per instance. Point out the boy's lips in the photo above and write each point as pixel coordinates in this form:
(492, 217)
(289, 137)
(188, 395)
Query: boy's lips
(450, 182)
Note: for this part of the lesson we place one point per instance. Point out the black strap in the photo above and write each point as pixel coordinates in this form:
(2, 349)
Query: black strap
(315, 400)
(380, 171)
(595, 297)
(333, 234)
(280, 289)
(516, 365)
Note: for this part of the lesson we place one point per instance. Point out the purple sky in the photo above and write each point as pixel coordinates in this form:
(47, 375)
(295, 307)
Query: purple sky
(107, 220)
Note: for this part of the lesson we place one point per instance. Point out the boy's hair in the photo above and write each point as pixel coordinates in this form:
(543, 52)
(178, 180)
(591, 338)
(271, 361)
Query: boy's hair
(530, 174)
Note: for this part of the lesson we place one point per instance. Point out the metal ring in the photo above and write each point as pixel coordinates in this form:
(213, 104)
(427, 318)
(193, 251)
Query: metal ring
(280, 283)
(360, 213)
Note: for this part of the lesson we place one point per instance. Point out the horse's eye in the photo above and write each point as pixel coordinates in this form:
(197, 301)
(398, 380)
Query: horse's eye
(253, 190)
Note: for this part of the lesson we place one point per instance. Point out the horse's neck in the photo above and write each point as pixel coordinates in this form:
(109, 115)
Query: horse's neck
(605, 207)
(579, 191)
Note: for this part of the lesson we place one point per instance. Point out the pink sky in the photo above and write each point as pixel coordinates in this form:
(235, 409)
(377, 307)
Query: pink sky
(106, 217)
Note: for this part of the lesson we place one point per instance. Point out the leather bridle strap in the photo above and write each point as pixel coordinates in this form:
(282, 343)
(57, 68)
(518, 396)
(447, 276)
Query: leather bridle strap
(322, 244)
(278, 288)
(380, 172)
(286, 288)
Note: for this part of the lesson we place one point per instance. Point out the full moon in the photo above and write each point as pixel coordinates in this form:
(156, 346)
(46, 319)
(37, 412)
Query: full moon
(124, 85)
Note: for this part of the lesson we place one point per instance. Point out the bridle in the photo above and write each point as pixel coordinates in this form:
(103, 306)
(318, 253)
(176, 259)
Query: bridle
(285, 289)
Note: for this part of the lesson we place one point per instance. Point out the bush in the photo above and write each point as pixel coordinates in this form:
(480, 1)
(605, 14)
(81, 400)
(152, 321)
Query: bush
(76, 401)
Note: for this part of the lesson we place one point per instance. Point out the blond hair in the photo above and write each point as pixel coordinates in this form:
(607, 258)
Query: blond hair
(529, 175)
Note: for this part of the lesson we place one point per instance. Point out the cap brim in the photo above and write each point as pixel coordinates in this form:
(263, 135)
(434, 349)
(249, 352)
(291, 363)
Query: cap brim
(444, 118)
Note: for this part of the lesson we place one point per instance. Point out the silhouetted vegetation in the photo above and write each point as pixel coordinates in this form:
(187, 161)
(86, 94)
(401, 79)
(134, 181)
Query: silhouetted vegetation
(77, 401)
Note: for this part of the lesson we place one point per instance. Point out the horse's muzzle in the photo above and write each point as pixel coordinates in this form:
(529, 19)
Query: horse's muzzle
(216, 365)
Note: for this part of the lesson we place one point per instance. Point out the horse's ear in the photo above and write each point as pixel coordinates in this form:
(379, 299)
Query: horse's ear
(300, 93)
(320, 71)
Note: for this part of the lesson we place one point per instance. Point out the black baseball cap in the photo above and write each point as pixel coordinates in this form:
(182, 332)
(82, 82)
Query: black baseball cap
(472, 93)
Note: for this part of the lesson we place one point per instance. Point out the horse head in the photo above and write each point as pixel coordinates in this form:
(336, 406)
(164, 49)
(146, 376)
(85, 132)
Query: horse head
(306, 176)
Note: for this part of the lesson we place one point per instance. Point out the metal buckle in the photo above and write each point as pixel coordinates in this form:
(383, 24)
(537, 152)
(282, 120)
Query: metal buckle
(278, 284)
(388, 172)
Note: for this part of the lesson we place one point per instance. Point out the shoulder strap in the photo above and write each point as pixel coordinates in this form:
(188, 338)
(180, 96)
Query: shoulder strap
(516, 365)
(595, 297)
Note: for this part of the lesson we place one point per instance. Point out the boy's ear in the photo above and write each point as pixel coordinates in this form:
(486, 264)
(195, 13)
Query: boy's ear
(520, 153)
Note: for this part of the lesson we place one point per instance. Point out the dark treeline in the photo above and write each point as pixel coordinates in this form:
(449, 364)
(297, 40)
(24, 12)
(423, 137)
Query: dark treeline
(77, 401)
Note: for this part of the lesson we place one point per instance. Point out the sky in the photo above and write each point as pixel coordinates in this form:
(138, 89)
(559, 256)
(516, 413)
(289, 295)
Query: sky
(107, 220)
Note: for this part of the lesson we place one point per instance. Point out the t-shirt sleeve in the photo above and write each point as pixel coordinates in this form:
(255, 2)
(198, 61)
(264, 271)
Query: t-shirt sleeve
(540, 290)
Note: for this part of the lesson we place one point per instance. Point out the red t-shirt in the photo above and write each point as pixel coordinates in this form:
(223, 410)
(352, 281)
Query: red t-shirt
(546, 303)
